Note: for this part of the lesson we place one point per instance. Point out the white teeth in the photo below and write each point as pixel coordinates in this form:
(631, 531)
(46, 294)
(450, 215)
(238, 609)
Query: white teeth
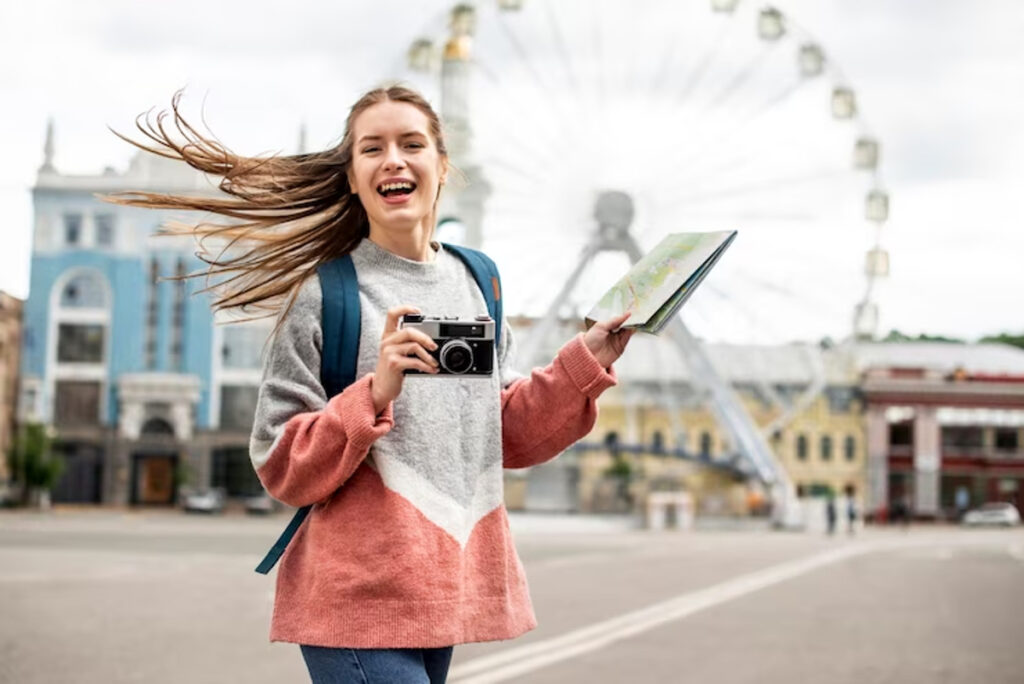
(396, 186)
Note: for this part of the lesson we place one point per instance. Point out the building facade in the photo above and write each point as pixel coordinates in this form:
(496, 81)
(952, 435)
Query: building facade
(945, 427)
(146, 391)
(10, 353)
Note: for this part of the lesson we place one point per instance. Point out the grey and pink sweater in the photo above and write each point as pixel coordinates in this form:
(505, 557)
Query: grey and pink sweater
(408, 542)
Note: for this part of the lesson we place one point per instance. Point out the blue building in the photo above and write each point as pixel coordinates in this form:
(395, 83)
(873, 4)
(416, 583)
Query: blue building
(148, 393)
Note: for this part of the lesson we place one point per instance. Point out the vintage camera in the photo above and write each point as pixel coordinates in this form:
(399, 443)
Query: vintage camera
(464, 347)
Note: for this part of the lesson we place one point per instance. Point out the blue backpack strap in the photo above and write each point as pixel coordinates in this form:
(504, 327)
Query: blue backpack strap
(340, 322)
(485, 273)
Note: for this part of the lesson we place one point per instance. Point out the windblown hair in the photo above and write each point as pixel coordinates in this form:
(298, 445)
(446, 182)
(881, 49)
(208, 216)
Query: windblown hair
(287, 215)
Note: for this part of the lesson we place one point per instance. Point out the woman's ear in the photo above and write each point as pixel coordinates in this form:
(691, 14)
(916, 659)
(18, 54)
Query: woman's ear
(351, 182)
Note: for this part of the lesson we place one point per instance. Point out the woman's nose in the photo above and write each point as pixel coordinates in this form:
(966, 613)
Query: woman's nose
(393, 158)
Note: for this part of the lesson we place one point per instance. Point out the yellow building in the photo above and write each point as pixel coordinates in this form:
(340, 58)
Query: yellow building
(657, 431)
(10, 355)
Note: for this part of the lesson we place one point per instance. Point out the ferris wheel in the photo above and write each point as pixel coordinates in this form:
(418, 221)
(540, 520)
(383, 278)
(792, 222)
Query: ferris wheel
(708, 115)
(679, 116)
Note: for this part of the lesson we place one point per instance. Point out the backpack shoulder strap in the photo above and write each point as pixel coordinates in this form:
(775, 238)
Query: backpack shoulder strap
(485, 273)
(340, 323)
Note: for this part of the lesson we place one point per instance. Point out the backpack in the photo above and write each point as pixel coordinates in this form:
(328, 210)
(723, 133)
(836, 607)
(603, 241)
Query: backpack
(341, 328)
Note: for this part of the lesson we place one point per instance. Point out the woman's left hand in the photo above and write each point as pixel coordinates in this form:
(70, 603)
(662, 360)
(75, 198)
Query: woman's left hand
(607, 340)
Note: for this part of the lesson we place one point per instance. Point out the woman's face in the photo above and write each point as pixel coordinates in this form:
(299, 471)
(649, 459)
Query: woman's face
(396, 167)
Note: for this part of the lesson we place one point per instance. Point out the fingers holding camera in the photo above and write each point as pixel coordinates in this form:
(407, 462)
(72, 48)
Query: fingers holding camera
(401, 349)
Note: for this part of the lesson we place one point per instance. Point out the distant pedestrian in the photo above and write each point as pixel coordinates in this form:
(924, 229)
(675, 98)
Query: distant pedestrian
(851, 514)
(962, 499)
(830, 513)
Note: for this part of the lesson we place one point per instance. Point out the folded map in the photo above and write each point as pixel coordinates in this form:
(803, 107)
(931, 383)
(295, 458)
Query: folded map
(662, 280)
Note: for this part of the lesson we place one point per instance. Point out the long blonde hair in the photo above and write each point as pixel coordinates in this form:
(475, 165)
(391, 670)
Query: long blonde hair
(288, 214)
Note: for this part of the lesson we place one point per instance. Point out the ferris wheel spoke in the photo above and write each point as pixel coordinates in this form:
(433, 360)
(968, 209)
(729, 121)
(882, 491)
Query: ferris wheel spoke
(766, 216)
(561, 45)
(702, 67)
(759, 186)
(743, 75)
(535, 149)
(540, 82)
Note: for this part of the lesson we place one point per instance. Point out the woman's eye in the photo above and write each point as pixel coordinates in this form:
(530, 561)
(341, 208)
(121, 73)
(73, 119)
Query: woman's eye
(414, 145)
(368, 150)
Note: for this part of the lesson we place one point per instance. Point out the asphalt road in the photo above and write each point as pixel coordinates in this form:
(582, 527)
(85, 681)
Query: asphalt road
(110, 597)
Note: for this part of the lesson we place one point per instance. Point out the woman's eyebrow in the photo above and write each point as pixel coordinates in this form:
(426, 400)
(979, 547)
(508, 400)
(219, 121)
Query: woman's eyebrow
(408, 134)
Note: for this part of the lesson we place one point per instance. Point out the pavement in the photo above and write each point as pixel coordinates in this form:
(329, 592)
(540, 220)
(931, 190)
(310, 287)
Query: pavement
(117, 595)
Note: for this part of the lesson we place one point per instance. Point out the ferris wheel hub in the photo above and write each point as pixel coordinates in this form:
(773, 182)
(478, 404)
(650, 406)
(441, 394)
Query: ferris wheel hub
(613, 212)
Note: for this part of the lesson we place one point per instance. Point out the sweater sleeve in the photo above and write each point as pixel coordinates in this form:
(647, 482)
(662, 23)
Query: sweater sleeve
(303, 446)
(546, 413)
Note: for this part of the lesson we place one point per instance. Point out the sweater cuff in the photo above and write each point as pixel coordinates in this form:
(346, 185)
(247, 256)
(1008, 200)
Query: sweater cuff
(583, 368)
(362, 426)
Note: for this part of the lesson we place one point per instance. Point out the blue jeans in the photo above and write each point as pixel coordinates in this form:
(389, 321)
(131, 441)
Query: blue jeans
(377, 665)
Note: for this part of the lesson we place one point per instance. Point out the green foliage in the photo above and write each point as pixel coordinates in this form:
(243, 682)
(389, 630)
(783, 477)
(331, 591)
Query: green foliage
(30, 458)
(1005, 338)
(896, 336)
(619, 468)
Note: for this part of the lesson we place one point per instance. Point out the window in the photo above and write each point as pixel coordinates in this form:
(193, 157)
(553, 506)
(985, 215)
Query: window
(152, 313)
(237, 406)
(850, 448)
(77, 403)
(80, 343)
(177, 346)
(801, 447)
(104, 230)
(826, 448)
(84, 291)
(657, 442)
(840, 399)
(157, 427)
(1006, 439)
(901, 434)
(705, 445)
(233, 471)
(242, 346)
(72, 229)
(962, 437)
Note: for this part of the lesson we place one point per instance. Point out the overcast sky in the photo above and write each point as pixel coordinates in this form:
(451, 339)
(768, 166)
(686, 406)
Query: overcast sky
(939, 82)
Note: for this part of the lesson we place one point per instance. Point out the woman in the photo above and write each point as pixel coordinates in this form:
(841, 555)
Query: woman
(407, 551)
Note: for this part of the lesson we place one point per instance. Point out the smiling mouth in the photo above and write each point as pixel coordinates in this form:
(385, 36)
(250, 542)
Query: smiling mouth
(396, 189)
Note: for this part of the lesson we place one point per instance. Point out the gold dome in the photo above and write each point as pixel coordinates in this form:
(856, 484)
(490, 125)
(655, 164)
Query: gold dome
(458, 48)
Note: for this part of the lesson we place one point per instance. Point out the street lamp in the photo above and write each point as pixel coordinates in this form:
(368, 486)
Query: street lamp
(812, 60)
(770, 24)
(510, 5)
(723, 5)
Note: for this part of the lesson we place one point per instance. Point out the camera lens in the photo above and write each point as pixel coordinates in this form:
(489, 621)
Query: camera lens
(456, 356)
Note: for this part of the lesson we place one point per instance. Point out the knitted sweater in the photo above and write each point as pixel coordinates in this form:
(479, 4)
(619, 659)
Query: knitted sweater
(407, 543)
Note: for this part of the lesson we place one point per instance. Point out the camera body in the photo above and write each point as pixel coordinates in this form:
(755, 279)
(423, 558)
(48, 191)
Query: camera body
(464, 347)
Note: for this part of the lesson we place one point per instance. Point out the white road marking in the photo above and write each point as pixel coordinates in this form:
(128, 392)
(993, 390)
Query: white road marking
(520, 660)
(1016, 551)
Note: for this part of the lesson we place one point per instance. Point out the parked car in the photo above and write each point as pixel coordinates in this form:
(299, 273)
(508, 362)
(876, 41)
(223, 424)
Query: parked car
(996, 513)
(262, 505)
(207, 501)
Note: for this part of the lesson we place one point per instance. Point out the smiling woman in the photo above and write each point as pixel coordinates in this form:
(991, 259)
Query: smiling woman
(401, 545)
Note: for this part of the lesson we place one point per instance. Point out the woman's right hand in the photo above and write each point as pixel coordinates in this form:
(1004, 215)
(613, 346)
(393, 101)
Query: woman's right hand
(400, 350)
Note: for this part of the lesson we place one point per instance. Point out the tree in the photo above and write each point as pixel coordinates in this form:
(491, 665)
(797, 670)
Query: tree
(32, 464)
(1005, 338)
(896, 336)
